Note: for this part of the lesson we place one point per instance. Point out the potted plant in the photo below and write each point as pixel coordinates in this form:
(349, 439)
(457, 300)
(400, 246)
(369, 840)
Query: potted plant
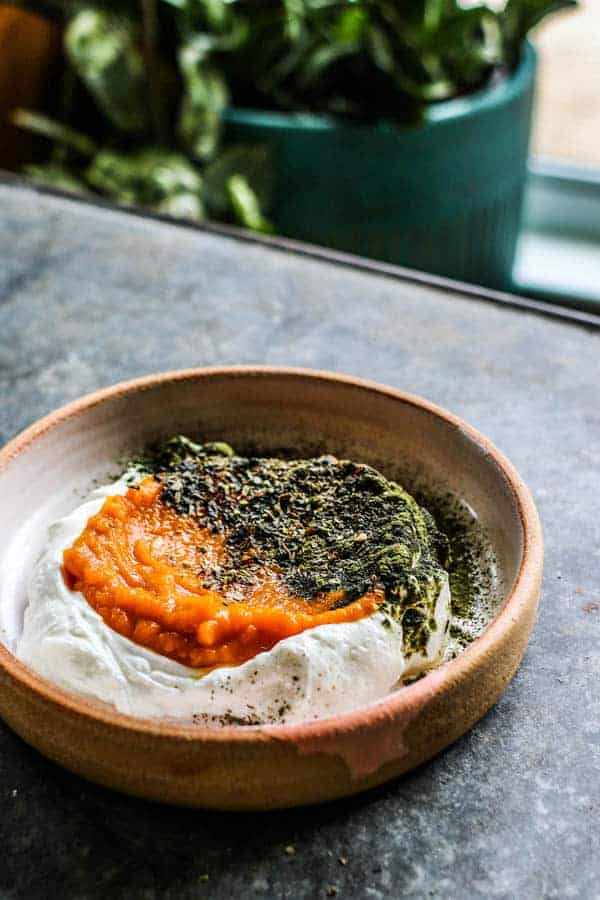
(393, 130)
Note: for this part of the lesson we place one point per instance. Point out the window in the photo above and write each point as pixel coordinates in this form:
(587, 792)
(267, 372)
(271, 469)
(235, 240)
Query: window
(558, 256)
(567, 113)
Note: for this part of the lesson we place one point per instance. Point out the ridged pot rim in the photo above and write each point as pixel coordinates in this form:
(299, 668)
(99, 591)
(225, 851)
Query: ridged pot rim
(485, 100)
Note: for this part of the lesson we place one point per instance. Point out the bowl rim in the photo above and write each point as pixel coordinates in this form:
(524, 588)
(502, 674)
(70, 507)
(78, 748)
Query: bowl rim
(399, 703)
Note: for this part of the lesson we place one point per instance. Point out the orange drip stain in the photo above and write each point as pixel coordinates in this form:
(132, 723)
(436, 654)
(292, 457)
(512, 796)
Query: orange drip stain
(142, 568)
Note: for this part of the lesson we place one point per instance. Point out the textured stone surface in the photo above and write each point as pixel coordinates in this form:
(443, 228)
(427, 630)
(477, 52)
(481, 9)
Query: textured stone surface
(88, 297)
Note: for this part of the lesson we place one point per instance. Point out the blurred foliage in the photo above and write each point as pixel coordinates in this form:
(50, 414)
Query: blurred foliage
(146, 84)
(103, 49)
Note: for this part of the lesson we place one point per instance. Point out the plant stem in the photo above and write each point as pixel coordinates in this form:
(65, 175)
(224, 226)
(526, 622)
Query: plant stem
(149, 16)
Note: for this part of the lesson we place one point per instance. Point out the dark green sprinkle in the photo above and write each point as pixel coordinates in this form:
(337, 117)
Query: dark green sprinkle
(323, 524)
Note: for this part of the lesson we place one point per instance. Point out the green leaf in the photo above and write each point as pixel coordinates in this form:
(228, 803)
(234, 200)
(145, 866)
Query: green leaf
(103, 49)
(204, 100)
(252, 161)
(246, 207)
(182, 206)
(152, 177)
(270, 79)
(56, 177)
(295, 14)
(380, 49)
(529, 13)
(319, 60)
(216, 13)
(54, 131)
(352, 25)
(434, 10)
(212, 15)
(195, 52)
(520, 16)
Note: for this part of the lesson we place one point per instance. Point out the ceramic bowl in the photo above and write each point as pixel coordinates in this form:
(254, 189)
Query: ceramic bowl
(46, 470)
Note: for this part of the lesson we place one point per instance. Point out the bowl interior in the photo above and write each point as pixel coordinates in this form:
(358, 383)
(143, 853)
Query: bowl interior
(49, 472)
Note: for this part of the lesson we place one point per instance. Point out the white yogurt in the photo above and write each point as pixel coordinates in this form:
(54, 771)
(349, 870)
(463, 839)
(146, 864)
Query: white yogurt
(321, 672)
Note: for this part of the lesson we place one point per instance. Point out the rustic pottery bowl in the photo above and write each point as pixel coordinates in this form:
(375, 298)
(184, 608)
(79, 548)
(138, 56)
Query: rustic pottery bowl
(45, 471)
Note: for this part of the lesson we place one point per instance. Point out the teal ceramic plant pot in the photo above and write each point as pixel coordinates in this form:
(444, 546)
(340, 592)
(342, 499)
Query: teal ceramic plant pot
(444, 197)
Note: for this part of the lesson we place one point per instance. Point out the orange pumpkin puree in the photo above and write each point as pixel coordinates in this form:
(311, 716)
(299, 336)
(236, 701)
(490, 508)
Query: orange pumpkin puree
(141, 567)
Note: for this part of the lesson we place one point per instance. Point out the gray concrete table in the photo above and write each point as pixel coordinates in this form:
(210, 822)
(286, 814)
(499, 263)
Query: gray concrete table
(90, 296)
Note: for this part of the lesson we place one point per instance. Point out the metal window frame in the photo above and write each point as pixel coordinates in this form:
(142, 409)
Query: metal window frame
(558, 258)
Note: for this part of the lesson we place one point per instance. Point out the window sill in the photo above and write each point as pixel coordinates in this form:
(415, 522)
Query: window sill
(558, 256)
